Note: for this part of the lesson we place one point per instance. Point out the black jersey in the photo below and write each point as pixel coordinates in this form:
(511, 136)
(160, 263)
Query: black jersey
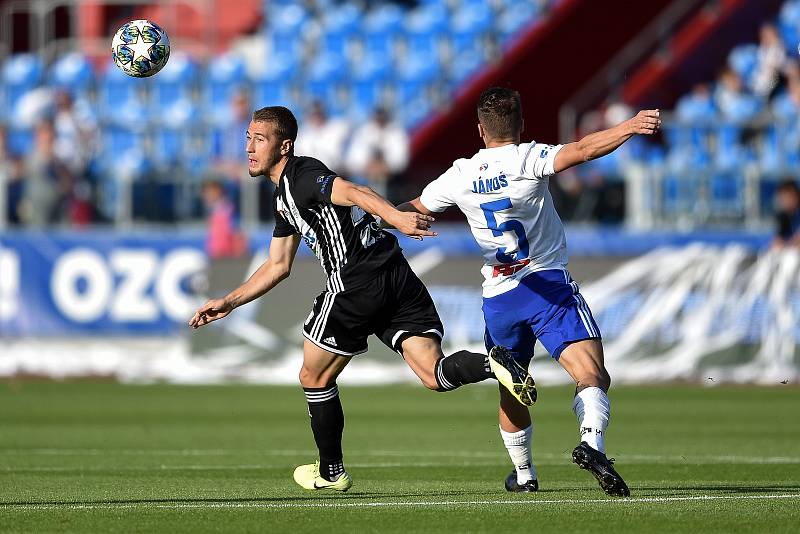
(347, 241)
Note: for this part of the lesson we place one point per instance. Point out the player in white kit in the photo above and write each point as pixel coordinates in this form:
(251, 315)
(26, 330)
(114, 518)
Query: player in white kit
(528, 294)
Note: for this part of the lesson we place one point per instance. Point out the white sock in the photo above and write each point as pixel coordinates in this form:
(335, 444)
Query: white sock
(593, 410)
(519, 449)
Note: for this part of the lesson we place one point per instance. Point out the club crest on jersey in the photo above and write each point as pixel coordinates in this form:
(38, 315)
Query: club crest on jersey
(488, 185)
(323, 180)
(483, 167)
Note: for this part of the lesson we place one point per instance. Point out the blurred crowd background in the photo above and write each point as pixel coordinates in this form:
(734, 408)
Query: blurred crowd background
(82, 144)
(115, 192)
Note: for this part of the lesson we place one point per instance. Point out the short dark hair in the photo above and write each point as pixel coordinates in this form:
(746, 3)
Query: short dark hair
(500, 112)
(788, 185)
(283, 119)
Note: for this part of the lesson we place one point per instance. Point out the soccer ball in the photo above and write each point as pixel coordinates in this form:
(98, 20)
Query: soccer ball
(140, 48)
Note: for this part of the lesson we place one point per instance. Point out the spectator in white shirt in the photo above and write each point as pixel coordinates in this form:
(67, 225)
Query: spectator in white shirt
(771, 61)
(323, 137)
(378, 151)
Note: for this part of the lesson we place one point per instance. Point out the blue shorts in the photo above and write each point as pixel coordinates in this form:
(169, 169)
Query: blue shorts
(546, 305)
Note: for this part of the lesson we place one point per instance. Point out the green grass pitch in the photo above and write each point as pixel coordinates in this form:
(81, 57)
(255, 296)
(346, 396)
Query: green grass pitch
(101, 457)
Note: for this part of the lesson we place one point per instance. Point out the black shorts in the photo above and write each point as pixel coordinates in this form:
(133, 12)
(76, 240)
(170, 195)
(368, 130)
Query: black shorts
(393, 303)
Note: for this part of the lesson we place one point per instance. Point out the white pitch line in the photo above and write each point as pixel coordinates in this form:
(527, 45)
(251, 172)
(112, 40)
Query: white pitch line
(622, 458)
(553, 461)
(380, 504)
(236, 467)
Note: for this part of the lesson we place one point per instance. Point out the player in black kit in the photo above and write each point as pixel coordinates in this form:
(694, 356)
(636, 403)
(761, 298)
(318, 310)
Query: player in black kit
(370, 288)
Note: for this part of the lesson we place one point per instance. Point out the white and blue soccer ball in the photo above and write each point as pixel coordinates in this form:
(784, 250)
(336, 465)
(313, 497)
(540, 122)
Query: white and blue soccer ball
(140, 48)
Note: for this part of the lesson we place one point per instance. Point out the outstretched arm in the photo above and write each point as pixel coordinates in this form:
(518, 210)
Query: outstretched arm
(412, 224)
(414, 206)
(604, 142)
(278, 266)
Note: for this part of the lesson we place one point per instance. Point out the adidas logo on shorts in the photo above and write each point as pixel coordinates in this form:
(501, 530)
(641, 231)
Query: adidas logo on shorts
(330, 341)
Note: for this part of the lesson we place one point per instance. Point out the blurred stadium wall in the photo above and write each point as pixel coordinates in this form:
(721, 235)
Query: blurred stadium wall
(106, 197)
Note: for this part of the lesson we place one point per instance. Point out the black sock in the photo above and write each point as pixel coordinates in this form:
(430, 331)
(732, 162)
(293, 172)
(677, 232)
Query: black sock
(327, 424)
(461, 368)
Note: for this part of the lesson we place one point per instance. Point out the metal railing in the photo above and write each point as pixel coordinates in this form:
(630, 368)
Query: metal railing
(608, 80)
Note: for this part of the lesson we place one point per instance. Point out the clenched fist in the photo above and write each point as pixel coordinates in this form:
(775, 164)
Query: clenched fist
(646, 122)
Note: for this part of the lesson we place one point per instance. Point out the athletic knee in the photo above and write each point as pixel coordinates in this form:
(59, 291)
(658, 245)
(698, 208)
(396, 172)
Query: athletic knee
(597, 379)
(310, 378)
(427, 375)
(606, 381)
(428, 380)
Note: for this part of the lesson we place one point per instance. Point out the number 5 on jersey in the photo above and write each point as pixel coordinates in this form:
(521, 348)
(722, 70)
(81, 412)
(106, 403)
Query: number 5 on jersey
(489, 209)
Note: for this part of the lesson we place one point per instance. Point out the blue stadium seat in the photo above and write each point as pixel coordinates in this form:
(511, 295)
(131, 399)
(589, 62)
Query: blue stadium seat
(381, 30)
(726, 194)
(695, 111)
(463, 67)
(325, 82)
(167, 147)
(225, 76)
(175, 82)
(336, 42)
(745, 109)
(729, 155)
(20, 74)
(425, 29)
(770, 154)
(744, 60)
(418, 72)
(469, 26)
(182, 114)
(286, 19)
(413, 113)
(340, 27)
(677, 135)
(789, 24)
(514, 20)
(284, 47)
(284, 23)
(784, 109)
(369, 80)
(72, 72)
(197, 153)
(120, 140)
(679, 194)
(365, 96)
(346, 18)
(273, 84)
(20, 140)
(121, 97)
(372, 66)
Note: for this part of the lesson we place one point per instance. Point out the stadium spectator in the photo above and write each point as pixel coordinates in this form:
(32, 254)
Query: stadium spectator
(787, 200)
(322, 137)
(697, 106)
(10, 184)
(76, 133)
(792, 70)
(732, 100)
(771, 61)
(224, 238)
(786, 106)
(379, 151)
(48, 182)
(229, 163)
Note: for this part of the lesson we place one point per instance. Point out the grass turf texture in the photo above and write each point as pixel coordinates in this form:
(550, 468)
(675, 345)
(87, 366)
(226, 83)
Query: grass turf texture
(85, 457)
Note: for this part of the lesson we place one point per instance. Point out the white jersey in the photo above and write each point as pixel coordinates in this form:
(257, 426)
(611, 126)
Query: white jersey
(503, 192)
